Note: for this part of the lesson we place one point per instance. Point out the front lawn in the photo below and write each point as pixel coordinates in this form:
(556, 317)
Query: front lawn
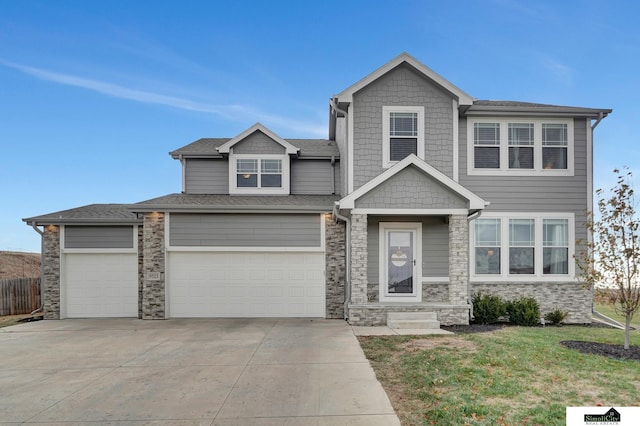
(609, 311)
(513, 376)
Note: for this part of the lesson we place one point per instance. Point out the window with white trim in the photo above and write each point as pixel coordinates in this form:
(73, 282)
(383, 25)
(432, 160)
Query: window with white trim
(258, 174)
(530, 246)
(403, 133)
(529, 147)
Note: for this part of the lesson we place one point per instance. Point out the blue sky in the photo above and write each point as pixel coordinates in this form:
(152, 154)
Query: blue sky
(93, 95)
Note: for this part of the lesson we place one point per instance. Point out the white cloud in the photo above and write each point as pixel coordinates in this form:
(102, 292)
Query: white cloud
(233, 112)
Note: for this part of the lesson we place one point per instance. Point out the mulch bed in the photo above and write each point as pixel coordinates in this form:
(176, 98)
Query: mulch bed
(473, 328)
(604, 349)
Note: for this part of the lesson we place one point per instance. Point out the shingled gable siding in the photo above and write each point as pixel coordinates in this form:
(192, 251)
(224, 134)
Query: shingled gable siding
(258, 143)
(400, 87)
(206, 176)
(411, 189)
(335, 237)
(153, 286)
(51, 282)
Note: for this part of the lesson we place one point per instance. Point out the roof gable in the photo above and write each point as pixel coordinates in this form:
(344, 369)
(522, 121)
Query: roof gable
(347, 94)
(475, 202)
(226, 147)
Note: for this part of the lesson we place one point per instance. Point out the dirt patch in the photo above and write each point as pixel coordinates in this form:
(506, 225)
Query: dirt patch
(603, 349)
(473, 328)
(439, 342)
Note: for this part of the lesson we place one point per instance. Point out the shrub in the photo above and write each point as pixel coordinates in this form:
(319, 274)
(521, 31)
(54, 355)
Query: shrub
(487, 308)
(556, 316)
(524, 311)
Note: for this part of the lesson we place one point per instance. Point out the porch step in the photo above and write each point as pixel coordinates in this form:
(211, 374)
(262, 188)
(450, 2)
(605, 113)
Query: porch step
(415, 320)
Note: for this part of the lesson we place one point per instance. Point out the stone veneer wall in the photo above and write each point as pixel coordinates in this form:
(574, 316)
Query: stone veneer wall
(458, 259)
(435, 292)
(51, 278)
(153, 284)
(358, 258)
(335, 260)
(572, 297)
(376, 313)
(140, 268)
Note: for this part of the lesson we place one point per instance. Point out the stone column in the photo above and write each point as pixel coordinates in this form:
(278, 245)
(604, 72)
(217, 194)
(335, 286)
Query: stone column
(335, 266)
(140, 268)
(358, 258)
(51, 273)
(458, 259)
(153, 294)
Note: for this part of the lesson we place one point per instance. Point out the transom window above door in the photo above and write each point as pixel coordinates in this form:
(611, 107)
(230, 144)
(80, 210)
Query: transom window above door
(402, 133)
(264, 174)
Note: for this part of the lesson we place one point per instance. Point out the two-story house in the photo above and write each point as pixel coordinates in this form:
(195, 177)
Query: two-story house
(420, 196)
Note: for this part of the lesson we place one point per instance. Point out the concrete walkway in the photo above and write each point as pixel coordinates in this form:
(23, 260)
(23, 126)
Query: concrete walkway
(188, 372)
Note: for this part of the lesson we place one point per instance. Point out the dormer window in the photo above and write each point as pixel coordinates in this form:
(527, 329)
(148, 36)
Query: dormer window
(259, 174)
(402, 133)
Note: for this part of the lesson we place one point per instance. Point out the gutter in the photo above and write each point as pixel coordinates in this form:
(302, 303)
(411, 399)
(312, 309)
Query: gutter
(347, 259)
(35, 228)
(601, 115)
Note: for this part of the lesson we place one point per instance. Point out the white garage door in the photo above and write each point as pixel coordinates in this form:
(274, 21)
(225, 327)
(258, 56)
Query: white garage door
(262, 284)
(101, 285)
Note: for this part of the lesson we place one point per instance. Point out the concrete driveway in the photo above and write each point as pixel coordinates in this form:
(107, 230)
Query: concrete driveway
(188, 372)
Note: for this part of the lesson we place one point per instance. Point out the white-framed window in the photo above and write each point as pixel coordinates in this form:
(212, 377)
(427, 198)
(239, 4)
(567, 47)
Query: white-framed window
(258, 174)
(520, 146)
(402, 133)
(522, 247)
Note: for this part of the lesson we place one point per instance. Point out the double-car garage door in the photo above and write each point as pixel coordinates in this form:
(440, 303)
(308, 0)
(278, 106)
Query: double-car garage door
(216, 266)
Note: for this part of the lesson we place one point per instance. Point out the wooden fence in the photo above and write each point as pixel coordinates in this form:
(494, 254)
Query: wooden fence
(19, 296)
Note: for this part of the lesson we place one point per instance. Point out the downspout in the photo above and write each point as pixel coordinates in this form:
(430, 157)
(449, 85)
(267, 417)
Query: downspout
(347, 259)
(41, 308)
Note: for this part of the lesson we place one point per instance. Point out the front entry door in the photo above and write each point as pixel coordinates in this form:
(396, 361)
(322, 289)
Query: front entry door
(400, 262)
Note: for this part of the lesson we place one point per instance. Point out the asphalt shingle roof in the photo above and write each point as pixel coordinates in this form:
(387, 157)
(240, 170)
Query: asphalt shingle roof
(92, 213)
(308, 147)
(529, 107)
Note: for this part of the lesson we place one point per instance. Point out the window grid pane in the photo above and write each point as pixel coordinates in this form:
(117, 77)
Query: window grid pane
(522, 241)
(486, 134)
(520, 134)
(554, 135)
(271, 166)
(487, 232)
(247, 166)
(403, 124)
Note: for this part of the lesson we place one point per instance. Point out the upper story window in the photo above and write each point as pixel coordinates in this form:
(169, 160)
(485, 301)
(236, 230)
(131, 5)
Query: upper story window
(520, 147)
(258, 174)
(402, 133)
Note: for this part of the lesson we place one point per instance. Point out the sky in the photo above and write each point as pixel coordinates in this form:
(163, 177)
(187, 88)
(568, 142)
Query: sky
(94, 94)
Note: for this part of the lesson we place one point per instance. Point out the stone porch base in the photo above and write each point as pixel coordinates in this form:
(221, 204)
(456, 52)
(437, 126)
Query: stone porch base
(371, 314)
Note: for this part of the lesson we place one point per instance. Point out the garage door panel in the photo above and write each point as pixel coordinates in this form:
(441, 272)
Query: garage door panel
(101, 285)
(269, 284)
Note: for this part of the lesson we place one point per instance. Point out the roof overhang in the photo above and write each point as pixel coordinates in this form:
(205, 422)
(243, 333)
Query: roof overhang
(475, 202)
(535, 110)
(346, 96)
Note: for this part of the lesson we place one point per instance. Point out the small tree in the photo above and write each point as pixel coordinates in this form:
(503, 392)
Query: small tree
(613, 256)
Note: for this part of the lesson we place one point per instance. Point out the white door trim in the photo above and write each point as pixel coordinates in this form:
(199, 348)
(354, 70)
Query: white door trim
(416, 230)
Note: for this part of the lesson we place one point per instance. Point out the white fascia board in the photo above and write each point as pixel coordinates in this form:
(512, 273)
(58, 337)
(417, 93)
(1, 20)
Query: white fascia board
(475, 202)
(290, 149)
(347, 94)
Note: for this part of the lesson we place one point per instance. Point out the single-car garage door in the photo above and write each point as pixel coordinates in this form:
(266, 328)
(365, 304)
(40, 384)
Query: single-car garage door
(101, 285)
(246, 284)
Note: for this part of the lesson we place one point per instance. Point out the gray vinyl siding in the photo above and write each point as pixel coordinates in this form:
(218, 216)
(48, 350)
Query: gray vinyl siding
(206, 176)
(435, 245)
(534, 193)
(314, 177)
(98, 237)
(400, 87)
(258, 143)
(411, 189)
(245, 230)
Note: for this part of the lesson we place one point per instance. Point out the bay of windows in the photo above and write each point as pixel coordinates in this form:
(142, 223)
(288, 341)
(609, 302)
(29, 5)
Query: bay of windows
(521, 246)
(520, 146)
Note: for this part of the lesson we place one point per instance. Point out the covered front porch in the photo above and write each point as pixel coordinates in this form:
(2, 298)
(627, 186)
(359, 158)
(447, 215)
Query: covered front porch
(408, 245)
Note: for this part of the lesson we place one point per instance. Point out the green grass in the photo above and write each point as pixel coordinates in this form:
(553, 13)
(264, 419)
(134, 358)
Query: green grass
(516, 376)
(609, 311)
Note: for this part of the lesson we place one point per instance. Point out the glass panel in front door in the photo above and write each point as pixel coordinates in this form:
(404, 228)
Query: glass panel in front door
(400, 262)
